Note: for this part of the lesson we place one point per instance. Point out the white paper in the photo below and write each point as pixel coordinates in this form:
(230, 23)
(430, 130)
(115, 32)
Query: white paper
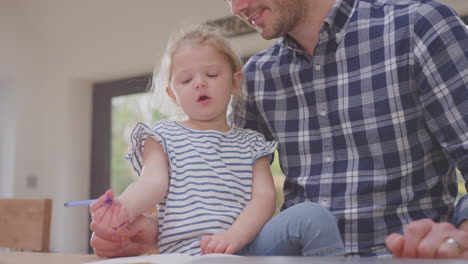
(174, 258)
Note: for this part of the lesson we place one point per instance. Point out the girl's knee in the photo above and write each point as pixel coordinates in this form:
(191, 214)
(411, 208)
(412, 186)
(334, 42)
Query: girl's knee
(311, 210)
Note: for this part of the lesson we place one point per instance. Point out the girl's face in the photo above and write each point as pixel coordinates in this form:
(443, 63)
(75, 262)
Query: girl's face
(202, 82)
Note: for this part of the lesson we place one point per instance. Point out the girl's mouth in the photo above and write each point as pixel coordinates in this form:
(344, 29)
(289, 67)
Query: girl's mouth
(203, 98)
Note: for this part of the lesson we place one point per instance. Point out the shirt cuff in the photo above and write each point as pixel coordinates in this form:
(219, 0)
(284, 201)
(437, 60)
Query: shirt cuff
(461, 211)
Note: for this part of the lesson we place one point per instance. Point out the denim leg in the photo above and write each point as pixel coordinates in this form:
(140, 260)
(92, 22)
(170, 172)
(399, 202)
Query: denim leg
(305, 229)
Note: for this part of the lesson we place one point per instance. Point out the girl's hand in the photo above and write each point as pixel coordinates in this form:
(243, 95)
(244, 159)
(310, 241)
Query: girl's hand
(222, 243)
(113, 214)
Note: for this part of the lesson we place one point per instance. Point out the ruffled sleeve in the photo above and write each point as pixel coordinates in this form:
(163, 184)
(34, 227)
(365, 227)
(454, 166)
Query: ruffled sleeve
(139, 135)
(261, 147)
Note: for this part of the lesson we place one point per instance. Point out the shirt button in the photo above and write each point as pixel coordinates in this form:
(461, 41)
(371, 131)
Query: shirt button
(338, 35)
(323, 113)
(328, 159)
(318, 67)
(323, 203)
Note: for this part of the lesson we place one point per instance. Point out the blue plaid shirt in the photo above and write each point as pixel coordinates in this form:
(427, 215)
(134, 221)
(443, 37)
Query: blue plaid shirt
(375, 123)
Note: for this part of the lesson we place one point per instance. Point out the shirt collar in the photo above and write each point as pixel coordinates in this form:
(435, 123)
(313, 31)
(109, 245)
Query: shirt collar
(339, 16)
(335, 23)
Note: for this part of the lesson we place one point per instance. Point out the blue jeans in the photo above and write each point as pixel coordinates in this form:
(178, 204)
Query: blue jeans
(305, 229)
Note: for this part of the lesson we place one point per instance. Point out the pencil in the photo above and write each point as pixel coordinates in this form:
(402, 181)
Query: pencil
(83, 202)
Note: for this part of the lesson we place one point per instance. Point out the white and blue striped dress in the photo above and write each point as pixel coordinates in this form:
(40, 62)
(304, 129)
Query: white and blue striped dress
(210, 179)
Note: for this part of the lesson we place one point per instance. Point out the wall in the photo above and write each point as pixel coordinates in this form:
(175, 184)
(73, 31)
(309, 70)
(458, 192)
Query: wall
(9, 37)
(7, 138)
(19, 50)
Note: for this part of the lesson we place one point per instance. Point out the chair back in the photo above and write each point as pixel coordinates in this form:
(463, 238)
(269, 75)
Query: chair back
(25, 224)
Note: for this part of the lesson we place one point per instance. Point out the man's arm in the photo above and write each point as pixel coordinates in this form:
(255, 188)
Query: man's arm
(440, 69)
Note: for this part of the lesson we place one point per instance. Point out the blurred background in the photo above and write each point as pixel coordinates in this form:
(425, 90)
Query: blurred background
(73, 82)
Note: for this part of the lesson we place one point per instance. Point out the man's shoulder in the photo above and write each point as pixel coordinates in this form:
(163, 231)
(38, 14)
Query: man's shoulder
(431, 12)
(433, 5)
(417, 10)
(411, 3)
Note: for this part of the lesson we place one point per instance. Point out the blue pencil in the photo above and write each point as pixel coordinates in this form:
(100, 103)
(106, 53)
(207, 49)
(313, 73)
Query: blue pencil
(83, 202)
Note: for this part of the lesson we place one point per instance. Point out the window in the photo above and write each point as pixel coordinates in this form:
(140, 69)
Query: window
(103, 95)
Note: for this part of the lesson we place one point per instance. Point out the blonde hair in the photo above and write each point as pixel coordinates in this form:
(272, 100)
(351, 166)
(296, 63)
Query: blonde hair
(193, 35)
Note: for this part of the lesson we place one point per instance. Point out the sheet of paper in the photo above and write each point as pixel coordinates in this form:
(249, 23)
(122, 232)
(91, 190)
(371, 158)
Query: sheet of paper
(233, 259)
(175, 258)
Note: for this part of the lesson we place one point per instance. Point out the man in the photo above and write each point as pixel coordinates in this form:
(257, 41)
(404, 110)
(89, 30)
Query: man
(369, 103)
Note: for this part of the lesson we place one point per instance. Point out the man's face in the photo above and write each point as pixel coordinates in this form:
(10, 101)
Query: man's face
(271, 18)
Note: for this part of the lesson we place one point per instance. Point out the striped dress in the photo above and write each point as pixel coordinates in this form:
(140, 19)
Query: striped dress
(210, 179)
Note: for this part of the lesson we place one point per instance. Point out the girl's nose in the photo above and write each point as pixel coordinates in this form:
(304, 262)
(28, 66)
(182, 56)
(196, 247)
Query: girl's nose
(201, 84)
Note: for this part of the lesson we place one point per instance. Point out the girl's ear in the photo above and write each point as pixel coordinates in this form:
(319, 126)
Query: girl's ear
(236, 82)
(171, 94)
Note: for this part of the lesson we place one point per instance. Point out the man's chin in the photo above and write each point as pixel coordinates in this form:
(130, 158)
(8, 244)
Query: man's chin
(265, 35)
(261, 31)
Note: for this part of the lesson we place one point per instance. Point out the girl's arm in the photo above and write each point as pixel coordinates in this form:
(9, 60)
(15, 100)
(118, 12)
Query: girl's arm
(140, 196)
(151, 187)
(257, 212)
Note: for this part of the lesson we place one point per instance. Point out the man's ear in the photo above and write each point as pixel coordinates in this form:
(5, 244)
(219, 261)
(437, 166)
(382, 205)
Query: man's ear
(236, 82)
(171, 94)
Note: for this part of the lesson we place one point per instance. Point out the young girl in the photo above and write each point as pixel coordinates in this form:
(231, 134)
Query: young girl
(212, 182)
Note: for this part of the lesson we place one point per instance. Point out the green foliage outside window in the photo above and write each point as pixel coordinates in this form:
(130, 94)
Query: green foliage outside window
(127, 111)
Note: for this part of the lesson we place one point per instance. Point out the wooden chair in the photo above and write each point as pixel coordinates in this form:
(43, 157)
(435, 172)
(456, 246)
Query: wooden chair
(25, 224)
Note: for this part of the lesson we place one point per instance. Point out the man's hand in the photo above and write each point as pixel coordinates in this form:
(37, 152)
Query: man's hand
(221, 243)
(426, 239)
(135, 238)
(114, 213)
